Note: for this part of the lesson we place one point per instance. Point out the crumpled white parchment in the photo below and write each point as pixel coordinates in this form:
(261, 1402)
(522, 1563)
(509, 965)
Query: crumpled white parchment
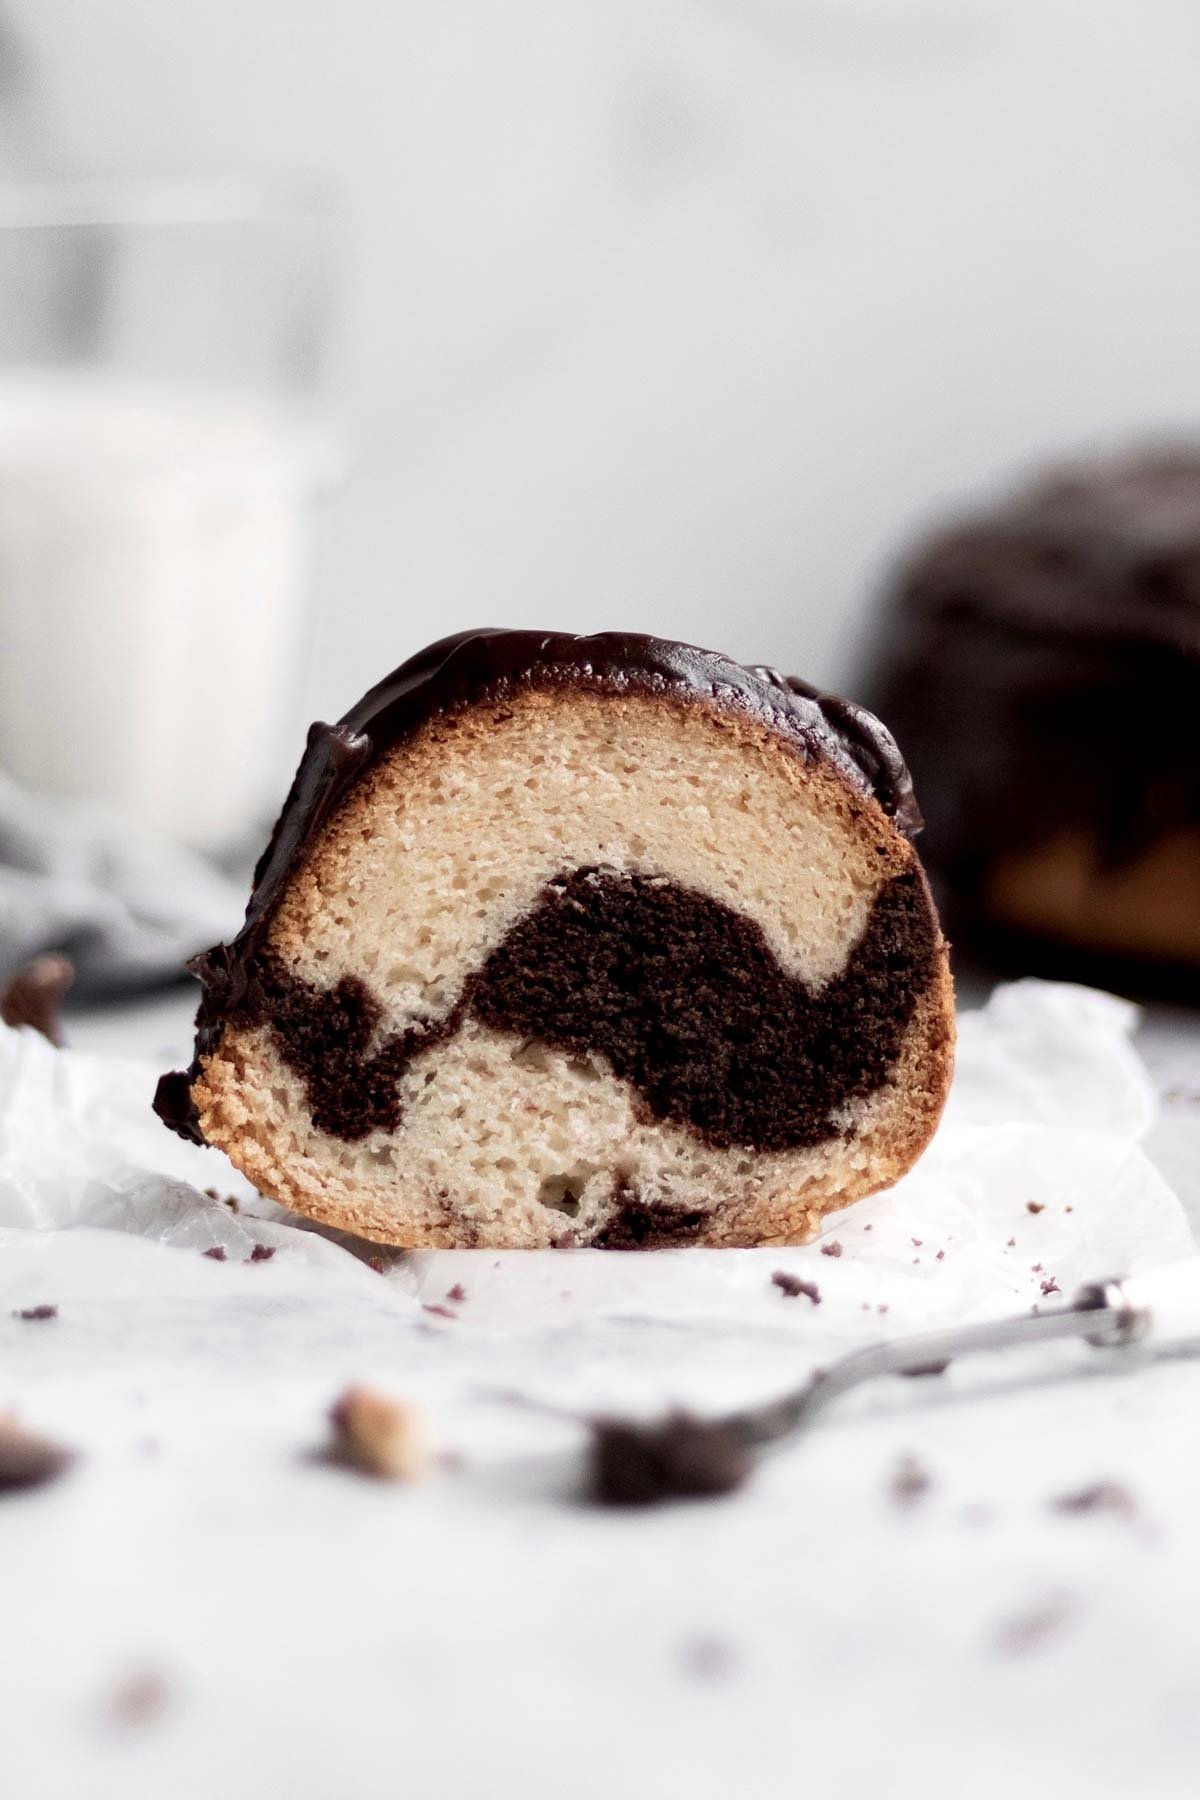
(1034, 1184)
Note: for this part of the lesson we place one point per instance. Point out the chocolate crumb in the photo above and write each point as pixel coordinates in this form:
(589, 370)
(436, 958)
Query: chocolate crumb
(1101, 1497)
(457, 1293)
(36, 1312)
(929, 1368)
(438, 1311)
(868, 1228)
(1051, 1286)
(916, 1242)
(910, 1482)
(679, 1457)
(376, 1263)
(831, 1249)
(940, 1257)
(1036, 1269)
(793, 1286)
(261, 1253)
(378, 1436)
(1029, 1631)
(229, 1200)
(882, 1308)
(26, 1460)
(1011, 1244)
(140, 1700)
(1035, 1206)
(709, 1658)
(215, 1253)
(1068, 1209)
(34, 996)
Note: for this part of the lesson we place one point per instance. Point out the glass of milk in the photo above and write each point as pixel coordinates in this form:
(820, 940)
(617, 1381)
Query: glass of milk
(160, 450)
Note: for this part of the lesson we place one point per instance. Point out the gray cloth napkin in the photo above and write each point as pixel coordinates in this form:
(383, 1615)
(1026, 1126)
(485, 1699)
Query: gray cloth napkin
(126, 906)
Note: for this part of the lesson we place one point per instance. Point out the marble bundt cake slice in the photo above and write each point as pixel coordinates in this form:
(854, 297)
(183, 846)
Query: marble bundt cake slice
(568, 940)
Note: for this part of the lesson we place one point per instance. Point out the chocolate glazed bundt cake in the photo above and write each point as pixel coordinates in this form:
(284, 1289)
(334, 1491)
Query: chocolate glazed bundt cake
(1041, 662)
(568, 940)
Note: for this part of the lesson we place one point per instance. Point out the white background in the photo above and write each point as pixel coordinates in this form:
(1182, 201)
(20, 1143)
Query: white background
(677, 314)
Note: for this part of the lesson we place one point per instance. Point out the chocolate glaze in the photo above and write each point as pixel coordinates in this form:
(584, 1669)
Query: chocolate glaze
(488, 665)
(1041, 665)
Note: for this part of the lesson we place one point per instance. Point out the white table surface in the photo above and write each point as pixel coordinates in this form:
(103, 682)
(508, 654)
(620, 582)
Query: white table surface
(293, 1636)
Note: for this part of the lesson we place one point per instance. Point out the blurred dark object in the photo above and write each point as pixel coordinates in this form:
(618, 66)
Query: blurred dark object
(1040, 667)
(35, 994)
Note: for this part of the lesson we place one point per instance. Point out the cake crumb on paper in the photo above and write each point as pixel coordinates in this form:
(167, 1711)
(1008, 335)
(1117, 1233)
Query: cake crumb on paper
(1032, 1630)
(911, 1482)
(139, 1700)
(34, 996)
(379, 1436)
(794, 1286)
(1100, 1497)
(679, 1457)
(26, 1459)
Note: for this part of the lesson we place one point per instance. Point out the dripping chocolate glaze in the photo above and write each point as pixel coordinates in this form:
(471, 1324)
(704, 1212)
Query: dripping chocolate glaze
(489, 665)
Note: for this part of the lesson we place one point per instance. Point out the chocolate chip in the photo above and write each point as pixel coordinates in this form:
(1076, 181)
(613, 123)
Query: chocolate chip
(36, 1312)
(929, 1368)
(457, 1293)
(261, 1253)
(34, 996)
(215, 1253)
(831, 1249)
(1034, 1206)
(793, 1286)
